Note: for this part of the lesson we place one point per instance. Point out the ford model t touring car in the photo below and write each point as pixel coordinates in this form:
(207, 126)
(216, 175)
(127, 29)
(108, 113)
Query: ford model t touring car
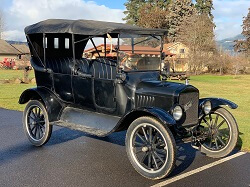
(128, 91)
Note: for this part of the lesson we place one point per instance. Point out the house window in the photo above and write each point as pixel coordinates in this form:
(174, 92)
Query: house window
(182, 50)
(66, 43)
(56, 43)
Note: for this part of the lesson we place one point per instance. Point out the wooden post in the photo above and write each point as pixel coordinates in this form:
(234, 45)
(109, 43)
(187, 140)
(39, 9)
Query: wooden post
(26, 74)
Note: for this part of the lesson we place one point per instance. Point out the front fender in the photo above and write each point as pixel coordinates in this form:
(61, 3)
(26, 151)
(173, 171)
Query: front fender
(51, 102)
(164, 117)
(216, 102)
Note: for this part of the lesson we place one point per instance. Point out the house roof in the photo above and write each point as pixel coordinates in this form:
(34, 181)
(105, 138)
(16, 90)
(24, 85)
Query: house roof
(6, 48)
(137, 49)
(99, 47)
(24, 49)
(140, 49)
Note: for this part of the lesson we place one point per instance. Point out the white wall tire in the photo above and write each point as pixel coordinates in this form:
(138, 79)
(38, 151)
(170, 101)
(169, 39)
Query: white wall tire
(150, 148)
(36, 123)
(223, 133)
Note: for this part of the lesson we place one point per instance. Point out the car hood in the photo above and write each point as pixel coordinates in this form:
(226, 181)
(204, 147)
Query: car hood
(160, 88)
(161, 94)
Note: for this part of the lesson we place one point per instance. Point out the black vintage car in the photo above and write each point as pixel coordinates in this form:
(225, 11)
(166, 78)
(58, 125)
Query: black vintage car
(102, 94)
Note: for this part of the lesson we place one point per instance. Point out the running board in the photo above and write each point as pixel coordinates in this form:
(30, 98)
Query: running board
(86, 121)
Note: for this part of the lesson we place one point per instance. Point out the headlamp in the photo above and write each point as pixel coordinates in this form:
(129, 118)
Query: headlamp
(207, 107)
(177, 112)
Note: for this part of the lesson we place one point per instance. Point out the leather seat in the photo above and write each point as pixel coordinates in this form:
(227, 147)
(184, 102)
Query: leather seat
(83, 64)
(99, 68)
(60, 65)
(103, 69)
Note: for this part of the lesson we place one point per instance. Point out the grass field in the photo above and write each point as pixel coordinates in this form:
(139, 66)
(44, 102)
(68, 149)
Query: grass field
(13, 74)
(234, 89)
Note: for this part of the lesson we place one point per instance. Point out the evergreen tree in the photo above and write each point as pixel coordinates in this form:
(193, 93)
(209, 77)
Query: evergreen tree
(205, 7)
(179, 11)
(132, 9)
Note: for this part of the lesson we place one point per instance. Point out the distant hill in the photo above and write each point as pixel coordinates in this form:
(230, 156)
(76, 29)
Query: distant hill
(228, 43)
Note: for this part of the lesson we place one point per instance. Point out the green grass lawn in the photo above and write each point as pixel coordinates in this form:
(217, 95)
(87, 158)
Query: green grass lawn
(13, 74)
(9, 93)
(234, 89)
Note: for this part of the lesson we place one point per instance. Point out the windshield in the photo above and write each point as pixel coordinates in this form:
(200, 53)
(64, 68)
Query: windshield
(139, 53)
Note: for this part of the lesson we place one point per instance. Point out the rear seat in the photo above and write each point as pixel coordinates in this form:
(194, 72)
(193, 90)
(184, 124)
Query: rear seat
(99, 68)
(60, 65)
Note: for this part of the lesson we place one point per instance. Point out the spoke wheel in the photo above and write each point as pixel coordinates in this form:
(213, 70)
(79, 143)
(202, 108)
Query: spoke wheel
(36, 123)
(221, 131)
(150, 148)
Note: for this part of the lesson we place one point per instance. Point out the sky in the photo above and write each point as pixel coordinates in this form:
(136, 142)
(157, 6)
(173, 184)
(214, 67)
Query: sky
(228, 14)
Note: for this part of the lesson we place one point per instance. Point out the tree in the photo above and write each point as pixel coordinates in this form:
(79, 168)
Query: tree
(243, 46)
(131, 12)
(165, 14)
(133, 9)
(179, 10)
(152, 16)
(196, 32)
(205, 7)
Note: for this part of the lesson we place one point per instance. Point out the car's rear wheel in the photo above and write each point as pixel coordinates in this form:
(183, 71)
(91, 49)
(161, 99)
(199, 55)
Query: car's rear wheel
(221, 130)
(36, 123)
(150, 148)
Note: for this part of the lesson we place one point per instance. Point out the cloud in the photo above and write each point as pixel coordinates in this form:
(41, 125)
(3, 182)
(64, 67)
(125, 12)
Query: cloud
(14, 35)
(22, 13)
(228, 16)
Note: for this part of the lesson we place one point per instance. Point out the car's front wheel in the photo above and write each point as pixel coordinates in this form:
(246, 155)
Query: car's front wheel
(36, 123)
(150, 148)
(222, 133)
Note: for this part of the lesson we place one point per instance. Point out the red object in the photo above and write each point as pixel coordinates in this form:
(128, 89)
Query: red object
(8, 63)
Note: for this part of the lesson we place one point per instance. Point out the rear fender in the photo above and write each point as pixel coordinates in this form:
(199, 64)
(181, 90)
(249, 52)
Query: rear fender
(51, 102)
(164, 117)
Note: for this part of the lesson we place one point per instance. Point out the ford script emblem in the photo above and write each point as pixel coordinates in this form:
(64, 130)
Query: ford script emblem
(188, 105)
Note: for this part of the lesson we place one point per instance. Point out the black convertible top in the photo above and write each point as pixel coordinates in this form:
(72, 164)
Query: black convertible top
(87, 27)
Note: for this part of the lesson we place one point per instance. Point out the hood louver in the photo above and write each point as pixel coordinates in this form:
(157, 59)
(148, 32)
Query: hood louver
(144, 100)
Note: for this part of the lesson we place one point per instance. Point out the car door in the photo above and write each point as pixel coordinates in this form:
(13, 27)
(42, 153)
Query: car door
(61, 68)
(103, 85)
(82, 85)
